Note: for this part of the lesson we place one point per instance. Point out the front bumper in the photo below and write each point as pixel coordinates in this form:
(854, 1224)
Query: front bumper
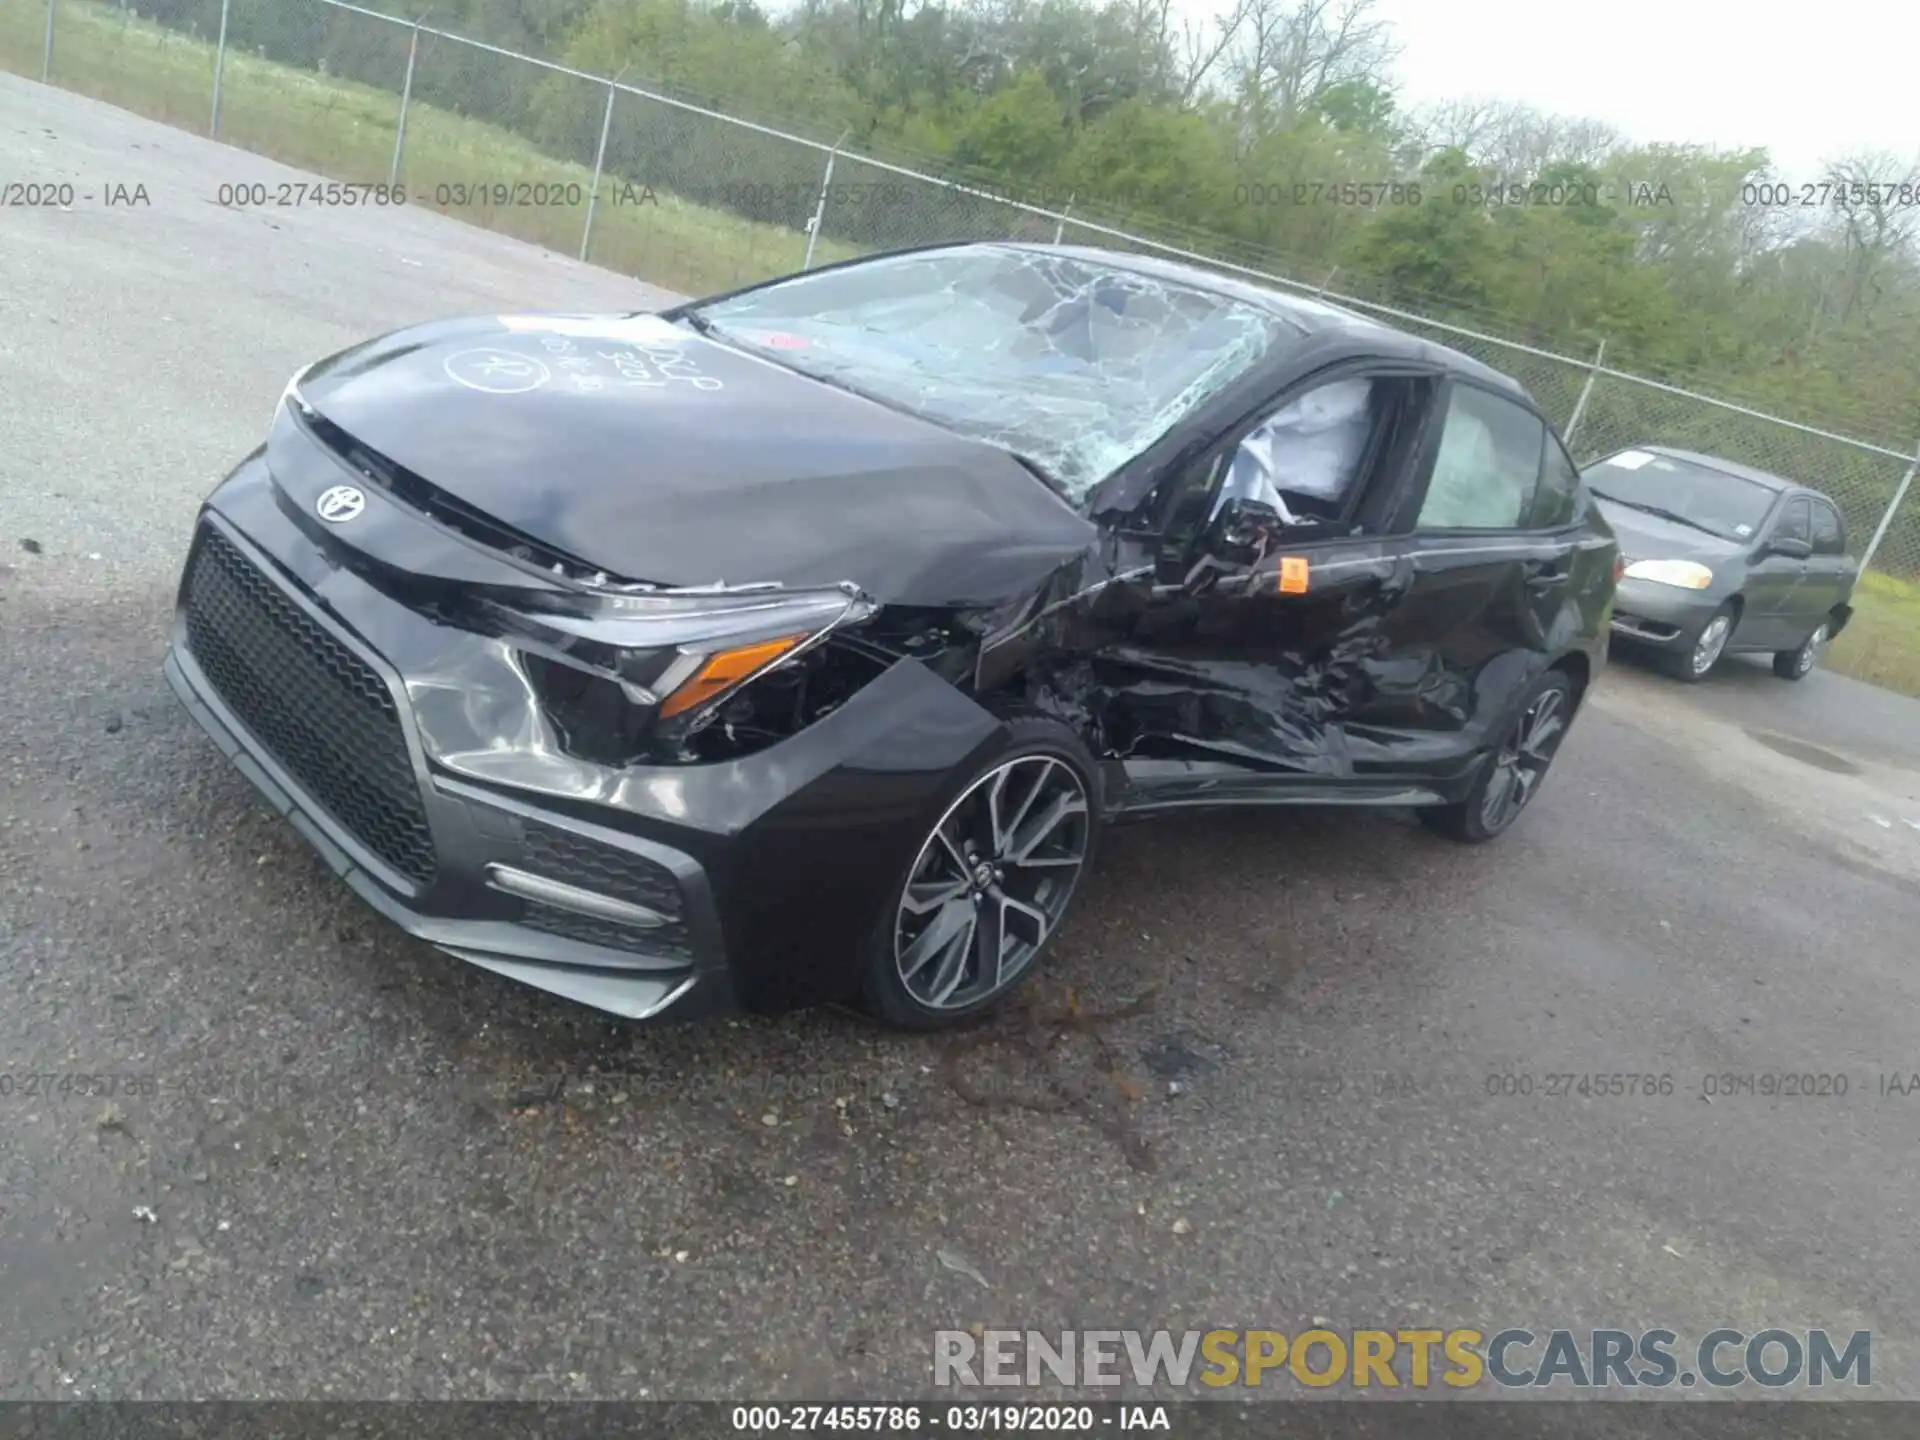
(411, 755)
(1650, 613)
(490, 930)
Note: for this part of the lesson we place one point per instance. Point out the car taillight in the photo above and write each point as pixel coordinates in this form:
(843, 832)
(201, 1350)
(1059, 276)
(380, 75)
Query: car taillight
(1619, 566)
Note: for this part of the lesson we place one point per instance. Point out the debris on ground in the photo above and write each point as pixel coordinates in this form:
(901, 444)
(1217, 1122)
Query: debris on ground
(960, 1265)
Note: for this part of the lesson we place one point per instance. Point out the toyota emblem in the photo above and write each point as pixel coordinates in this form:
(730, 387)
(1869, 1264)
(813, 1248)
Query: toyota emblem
(340, 504)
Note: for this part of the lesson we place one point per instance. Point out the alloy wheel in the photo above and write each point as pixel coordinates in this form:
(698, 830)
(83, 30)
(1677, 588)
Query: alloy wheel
(1809, 655)
(1522, 762)
(1713, 639)
(991, 882)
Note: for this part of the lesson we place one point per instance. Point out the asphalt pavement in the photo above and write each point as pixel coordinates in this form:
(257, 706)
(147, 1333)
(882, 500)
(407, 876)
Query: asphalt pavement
(1252, 1087)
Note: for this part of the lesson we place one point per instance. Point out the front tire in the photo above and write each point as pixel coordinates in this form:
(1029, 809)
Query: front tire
(990, 885)
(1798, 664)
(1516, 770)
(1694, 661)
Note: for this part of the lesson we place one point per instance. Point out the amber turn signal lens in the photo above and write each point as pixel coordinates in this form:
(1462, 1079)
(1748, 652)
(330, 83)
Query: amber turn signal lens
(725, 670)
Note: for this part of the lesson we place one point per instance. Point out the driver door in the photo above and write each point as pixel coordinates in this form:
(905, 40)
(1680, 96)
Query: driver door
(1273, 573)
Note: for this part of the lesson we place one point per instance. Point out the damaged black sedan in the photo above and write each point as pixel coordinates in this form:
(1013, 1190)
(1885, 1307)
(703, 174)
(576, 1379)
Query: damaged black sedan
(794, 645)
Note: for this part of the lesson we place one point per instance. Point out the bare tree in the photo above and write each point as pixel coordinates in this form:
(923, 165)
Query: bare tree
(1512, 141)
(1191, 50)
(1291, 52)
(1877, 225)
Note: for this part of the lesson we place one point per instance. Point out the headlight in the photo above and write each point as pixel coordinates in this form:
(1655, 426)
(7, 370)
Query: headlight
(1684, 573)
(676, 652)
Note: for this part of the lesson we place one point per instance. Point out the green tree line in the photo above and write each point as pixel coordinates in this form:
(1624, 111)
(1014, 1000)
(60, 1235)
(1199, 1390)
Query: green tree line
(1270, 135)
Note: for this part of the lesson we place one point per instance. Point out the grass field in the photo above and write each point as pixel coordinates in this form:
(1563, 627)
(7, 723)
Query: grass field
(1882, 645)
(345, 130)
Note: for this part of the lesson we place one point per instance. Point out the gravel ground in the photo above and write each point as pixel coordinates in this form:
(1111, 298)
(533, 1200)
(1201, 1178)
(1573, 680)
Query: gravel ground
(1250, 1089)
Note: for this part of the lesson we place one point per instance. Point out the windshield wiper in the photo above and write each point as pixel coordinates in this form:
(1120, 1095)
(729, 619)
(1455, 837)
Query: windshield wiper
(699, 322)
(1664, 514)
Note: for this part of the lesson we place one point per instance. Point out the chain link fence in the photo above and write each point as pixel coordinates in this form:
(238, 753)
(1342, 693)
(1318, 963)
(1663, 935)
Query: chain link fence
(695, 200)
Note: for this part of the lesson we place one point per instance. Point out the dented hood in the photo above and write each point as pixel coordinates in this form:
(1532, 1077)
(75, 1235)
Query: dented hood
(657, 455)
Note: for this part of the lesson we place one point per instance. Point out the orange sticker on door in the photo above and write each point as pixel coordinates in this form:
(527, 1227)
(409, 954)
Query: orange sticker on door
(1293, 574)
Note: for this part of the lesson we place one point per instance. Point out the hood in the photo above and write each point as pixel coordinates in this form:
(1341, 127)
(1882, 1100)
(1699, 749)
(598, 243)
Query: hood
(1649, 537)
(649, 452)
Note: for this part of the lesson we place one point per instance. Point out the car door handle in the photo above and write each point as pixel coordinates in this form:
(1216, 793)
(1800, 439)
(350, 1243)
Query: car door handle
(1545, 574)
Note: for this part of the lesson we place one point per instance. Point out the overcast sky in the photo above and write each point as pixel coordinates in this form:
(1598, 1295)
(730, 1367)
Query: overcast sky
(1808, 79)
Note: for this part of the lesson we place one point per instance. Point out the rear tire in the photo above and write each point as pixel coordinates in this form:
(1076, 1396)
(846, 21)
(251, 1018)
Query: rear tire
(1798, 664)
(1695, 659)
(992, 882)
(1515, 771)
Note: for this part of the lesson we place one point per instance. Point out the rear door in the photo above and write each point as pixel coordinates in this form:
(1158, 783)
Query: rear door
(1829, 571)
(1499, 562)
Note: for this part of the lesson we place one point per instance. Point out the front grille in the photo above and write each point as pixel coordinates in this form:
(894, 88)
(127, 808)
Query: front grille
(575, 860)
(315, 706)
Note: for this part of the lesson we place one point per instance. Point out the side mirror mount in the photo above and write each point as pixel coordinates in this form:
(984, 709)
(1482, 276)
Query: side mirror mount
(1243, 531)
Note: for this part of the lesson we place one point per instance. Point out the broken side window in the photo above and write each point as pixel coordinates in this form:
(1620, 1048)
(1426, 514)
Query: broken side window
(1306, 456)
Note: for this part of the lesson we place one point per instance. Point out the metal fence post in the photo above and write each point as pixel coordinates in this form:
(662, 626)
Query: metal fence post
(46, 54)
(219, 65)
(1899, 494)
(1586, 390)
(406, 99)
(1061, 229)
(820, 210)
(599, 162)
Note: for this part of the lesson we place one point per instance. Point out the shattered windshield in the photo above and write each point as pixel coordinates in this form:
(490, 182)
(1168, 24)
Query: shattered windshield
(1074, 366)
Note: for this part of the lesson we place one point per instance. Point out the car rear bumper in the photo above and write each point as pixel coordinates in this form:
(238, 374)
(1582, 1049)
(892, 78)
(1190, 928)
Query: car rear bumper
(412, 757)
